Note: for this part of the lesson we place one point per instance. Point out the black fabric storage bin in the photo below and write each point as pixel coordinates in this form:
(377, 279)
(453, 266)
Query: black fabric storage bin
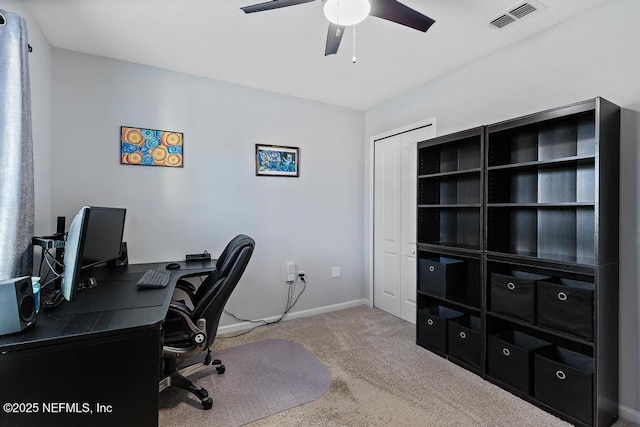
(510, 358)
(515, 294)
(464, 340)
(566, 305)
(432, 326)
(563, 379)
(440, 276)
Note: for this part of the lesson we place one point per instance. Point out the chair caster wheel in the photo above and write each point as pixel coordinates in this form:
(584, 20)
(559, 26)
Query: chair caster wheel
(220, 369)
(207, 359)
(207, 403)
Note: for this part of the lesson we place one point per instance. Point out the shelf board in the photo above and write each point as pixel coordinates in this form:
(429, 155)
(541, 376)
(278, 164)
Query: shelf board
(450, 173)
(553, 332)
(551, 162)
(467, 302)
(542, 205)
(449, 247)
(451, 205)
(538, 258)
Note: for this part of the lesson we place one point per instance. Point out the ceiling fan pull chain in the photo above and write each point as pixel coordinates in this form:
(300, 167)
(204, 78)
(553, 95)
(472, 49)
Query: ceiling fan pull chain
(354, 45)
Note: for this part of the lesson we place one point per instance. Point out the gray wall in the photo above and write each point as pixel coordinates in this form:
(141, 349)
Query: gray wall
(40, 71)
(314, 220)
(594, 54)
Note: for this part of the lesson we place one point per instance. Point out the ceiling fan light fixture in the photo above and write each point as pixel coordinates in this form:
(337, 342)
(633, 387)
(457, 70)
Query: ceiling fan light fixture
(346, 12)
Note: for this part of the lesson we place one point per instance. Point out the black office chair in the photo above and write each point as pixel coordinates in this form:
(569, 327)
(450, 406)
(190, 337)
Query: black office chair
(189, 332)
(223, 264)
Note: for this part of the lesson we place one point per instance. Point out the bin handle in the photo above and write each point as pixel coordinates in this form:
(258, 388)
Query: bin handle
(562, 296)
(432, 268)
(463, 335)
(506, 352)
(561, 375)
(430, 322)
(511, 286)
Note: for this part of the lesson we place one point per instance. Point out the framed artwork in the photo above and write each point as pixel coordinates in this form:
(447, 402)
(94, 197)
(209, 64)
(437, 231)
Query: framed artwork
(150, 147)
(277, 160)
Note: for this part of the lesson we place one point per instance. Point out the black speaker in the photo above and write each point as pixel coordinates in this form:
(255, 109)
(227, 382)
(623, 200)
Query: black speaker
(17, 306)
(123, 259)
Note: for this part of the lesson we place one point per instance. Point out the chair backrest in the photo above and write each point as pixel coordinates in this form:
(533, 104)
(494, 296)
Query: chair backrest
(222, 266)
(214, 297)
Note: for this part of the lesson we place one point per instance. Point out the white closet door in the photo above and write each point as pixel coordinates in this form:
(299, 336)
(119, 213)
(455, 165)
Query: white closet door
(387, 221)
(395, 249)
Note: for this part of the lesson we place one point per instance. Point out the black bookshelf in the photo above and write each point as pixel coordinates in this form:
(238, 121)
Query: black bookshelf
(517, 229)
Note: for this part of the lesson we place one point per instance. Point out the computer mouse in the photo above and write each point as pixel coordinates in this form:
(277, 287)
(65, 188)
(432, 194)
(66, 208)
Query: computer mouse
(172, 266)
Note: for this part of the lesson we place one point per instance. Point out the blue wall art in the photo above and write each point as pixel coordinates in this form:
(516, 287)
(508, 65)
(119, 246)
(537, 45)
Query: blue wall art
(277, 160)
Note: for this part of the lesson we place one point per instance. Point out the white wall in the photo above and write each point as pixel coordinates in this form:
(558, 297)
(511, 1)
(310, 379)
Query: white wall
(594, 54)
(314, 220)
(40, 71)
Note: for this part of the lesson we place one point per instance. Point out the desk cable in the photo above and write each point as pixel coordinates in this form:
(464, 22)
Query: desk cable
(291, 301)
(47, 257)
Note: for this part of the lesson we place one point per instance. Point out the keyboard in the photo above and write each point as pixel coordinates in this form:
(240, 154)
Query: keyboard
(152, 279)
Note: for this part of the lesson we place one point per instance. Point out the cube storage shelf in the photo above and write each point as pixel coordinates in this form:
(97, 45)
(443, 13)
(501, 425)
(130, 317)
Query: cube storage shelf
(450, 193)
(517, 230)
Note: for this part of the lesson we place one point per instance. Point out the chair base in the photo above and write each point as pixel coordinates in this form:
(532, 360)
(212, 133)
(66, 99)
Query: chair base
(179, 379)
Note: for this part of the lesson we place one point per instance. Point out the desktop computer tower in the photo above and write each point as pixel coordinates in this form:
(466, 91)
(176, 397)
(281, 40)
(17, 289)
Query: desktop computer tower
(17, 305)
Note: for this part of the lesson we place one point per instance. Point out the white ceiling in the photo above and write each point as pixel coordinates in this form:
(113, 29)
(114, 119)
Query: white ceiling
(283, 50)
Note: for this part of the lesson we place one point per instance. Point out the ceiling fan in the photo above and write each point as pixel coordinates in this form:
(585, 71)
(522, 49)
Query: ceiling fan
(342, 13)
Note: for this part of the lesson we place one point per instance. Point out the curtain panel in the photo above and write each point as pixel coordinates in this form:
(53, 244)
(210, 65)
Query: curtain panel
(16, 150)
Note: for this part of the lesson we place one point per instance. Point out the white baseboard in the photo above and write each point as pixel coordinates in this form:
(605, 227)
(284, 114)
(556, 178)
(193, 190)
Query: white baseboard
(629, 414)
(294, 315)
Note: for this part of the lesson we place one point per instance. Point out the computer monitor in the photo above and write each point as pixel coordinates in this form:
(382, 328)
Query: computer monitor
(104, 235)
(94, 237)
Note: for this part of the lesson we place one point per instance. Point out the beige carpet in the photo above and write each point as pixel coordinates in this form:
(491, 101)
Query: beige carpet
(380, 377)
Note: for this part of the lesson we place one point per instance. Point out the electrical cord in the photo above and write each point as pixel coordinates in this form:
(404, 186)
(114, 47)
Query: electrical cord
(46, 256)
(291, 302)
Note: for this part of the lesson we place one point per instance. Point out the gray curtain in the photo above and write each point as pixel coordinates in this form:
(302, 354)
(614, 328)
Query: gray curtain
(16, 150)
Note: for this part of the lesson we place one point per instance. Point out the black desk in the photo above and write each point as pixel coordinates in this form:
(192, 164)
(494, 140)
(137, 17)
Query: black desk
(93, 361)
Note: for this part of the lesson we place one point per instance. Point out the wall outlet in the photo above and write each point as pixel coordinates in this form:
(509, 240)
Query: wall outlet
(335, 272)
(290, 272)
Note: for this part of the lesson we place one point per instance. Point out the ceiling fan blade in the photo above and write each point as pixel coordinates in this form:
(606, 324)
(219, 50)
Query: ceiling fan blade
(334, 36)
(273, 4)
(393, 10)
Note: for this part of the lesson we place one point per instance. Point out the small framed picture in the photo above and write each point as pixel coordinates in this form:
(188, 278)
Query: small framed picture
(277, 160)
(151, 147)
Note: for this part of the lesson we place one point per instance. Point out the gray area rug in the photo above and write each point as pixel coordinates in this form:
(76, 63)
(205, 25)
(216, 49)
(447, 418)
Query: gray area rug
(261, 379)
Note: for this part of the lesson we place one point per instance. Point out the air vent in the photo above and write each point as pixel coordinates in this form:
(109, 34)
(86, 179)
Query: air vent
(523, 10)
(502, 21)
(516, 12)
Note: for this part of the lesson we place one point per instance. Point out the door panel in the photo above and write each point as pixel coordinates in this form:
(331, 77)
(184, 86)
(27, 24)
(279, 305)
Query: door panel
(408, 243)
(387, 201)
(395, 248)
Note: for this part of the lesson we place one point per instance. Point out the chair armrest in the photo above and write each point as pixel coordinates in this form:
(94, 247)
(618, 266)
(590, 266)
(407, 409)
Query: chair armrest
(197, 333)
(197, 273)
(187, 288)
